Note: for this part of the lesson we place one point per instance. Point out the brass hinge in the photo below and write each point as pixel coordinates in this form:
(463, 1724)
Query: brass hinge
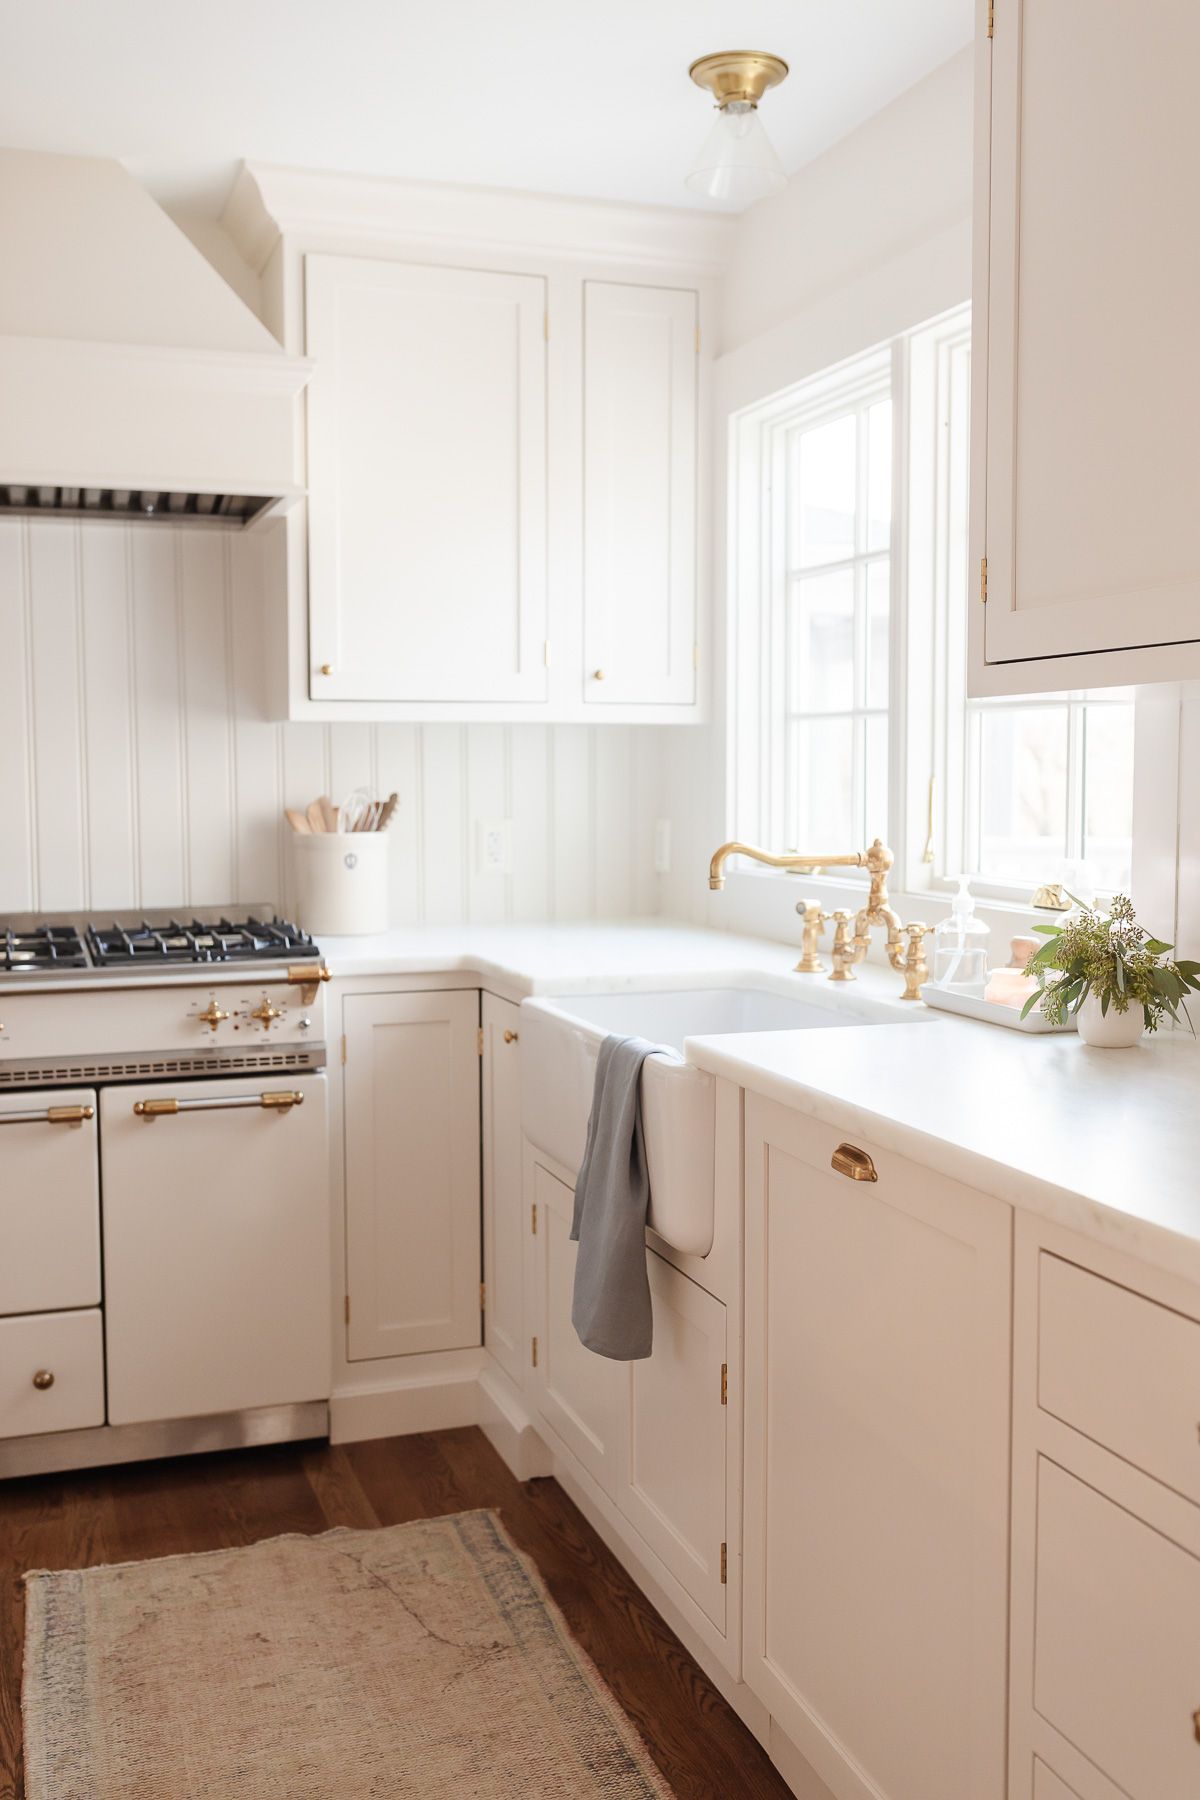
(991, 31)
(724, 1564)
(724, 1384)
(546, 653)
(983, 580)
(533, 1352)
(483, 1296)
(697, 340)
(695, 656)
(347, 1309)
(343, 1048)
(533, 1219)
(479, 1041)
(546, 326)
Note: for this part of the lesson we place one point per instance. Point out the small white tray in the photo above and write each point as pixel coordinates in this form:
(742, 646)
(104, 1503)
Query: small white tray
(987, 1010)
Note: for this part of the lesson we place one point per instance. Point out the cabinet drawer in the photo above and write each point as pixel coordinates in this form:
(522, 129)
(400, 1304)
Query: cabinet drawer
(1117, 1640)
(67, 1346)
(1123, 1370)
(49, 1201)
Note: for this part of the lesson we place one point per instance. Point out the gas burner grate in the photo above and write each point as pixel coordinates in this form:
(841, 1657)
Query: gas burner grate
(41, 947)
(213, 941)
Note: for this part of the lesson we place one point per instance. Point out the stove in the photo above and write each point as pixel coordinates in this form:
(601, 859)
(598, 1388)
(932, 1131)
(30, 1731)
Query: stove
(170, 993)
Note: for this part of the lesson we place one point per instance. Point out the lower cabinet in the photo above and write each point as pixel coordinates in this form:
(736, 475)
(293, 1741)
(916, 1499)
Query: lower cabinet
(876, 1463)
(503, 1196)
(51, 1372)
(411, 1132)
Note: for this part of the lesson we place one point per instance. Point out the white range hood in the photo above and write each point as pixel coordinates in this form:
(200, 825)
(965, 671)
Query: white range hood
(134, 383)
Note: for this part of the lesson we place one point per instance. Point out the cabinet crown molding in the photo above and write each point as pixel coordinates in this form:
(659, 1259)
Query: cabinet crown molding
(268, 201)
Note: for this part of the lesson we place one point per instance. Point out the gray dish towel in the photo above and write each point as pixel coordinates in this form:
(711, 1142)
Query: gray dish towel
(611, 1304)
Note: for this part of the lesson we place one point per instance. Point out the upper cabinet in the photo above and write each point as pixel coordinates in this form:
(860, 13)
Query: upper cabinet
(640, 348)
(427, 482)
(502, 443)
(1085, 481)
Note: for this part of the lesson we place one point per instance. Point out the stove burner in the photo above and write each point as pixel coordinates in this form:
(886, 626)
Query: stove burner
(219, 941)
(41, 947)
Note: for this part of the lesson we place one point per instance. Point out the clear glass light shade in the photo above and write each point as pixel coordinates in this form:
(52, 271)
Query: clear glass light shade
(737, 161)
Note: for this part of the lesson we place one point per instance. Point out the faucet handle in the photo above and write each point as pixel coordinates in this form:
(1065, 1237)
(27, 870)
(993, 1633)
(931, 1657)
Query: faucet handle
(843, 948)
(916, 969)
(814, 920)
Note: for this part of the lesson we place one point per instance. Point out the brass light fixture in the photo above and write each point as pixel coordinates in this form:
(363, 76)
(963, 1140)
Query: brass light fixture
(737, 161)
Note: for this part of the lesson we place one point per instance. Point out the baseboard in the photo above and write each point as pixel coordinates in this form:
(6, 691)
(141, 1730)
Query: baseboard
(508, 1428)
(799, 1774)
(422, 1403)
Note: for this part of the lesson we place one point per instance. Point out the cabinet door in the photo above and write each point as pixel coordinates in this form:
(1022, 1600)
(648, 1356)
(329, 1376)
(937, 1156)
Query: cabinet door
(1092, 381)
(49, 1201)
(427, 482)
(504, 1217)
(216, 1248)
(580, 1395)
(412, 1172)
(876, 1465)
(639, 494)
(51, 1373)
(674, 1471)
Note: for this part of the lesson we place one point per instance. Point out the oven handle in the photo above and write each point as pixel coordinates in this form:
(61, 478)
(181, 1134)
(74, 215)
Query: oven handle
(50, 1115)
(157, 1109)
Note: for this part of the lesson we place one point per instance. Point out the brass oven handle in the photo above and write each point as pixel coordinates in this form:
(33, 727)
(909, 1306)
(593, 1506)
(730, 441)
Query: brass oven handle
(159, 1109)
(49, 1115)
(43, 1379)
(304, 975)
(510, 1037)
(849, 1160)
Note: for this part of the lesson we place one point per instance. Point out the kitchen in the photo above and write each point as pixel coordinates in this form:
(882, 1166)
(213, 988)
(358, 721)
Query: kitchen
(699, 515)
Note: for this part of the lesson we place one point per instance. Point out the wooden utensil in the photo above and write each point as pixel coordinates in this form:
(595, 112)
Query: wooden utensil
(329, 812)
(384, 819)
(315, 817)
(298, 821)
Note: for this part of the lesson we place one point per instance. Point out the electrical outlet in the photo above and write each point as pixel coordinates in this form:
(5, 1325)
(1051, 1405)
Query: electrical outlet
(494, 846)
(662, 846)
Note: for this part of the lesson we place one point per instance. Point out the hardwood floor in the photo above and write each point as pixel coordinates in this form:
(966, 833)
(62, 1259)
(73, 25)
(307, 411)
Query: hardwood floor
(208, 1502)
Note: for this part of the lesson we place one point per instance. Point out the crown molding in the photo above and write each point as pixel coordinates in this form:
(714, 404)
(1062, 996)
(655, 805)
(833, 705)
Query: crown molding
(269, 202)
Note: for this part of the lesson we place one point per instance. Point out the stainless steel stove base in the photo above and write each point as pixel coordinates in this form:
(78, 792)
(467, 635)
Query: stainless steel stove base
(56, 1451)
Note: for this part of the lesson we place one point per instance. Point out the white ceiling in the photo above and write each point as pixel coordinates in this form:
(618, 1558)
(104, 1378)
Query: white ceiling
(585, 97)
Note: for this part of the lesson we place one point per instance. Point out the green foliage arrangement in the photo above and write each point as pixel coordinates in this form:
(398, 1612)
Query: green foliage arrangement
(1109, 955)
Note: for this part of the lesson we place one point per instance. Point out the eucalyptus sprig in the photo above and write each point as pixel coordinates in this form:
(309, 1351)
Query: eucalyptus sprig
(1111, 956)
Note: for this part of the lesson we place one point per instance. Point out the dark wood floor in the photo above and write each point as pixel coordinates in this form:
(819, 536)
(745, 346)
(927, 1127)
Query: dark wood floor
(206, 1503)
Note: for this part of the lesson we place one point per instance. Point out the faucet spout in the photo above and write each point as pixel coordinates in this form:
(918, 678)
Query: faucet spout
(857, 859)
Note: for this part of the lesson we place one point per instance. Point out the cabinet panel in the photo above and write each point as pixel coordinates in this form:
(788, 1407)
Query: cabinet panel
(639, 493)
(876, 1447)
(412, 1172)
(427, 482)
(49, 1203)
(1091, 379)
(674, 1473)
(216, 1249)
(1117, 1651)
(579, 1394)
(1048, 1786)
(505, 1222)
(68, 1346)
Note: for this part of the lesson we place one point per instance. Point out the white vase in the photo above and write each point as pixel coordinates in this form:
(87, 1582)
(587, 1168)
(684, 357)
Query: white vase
(1112, 1030)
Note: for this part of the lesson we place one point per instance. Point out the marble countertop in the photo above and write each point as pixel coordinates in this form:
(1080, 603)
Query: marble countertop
(1106, 1142)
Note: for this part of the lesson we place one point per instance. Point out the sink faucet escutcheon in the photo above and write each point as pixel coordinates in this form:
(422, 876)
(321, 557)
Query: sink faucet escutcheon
(849, 946)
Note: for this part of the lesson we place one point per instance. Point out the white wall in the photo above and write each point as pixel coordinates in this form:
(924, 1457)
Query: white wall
(870, 240)
(138, 770)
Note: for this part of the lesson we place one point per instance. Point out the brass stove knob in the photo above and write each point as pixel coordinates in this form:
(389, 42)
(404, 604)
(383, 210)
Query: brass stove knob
(266, 1012)
(212, 1016)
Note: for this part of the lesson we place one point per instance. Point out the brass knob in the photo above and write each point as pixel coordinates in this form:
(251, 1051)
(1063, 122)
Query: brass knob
(599, 675)
(510, 1037)
(43, 1379)
(266, 1012)
(212, 1016)
(327, 668)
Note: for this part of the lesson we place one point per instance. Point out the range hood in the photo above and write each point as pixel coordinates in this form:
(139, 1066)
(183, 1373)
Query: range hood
(134, 383)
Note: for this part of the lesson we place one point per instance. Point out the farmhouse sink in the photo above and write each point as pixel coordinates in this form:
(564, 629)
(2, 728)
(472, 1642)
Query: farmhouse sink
(560, 1039)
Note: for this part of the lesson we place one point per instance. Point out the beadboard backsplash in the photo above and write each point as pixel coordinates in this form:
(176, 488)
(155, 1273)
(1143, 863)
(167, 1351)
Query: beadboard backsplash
(139, 771)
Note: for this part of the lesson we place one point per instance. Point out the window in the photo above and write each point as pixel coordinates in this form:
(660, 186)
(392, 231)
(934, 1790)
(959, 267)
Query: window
(849, 567)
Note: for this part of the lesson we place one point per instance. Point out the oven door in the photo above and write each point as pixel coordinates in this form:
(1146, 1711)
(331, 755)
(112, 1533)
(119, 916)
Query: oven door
(215, 1197)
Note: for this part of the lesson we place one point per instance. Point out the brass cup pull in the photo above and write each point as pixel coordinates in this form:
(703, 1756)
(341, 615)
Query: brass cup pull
(43, 1379)
(1196, 1723)
(510, 1037)
(849, 1160)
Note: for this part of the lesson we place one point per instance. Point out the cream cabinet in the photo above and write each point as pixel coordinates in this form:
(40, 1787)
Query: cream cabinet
(411, 1135)
(503, 1200)
(876, 1463)
(640, 376)
(1086, 356)
(51, 1372)
(427, 482)
(49, 1201)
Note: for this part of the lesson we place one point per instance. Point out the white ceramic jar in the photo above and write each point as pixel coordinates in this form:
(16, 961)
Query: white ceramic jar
(1112, 1030)
(341, 882)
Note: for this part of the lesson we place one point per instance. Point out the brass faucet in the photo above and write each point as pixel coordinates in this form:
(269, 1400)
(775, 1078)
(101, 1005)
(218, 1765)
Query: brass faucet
(849, 947)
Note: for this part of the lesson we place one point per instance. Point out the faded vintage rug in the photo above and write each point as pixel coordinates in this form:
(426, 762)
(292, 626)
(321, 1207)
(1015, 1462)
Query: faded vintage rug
(417, 1660)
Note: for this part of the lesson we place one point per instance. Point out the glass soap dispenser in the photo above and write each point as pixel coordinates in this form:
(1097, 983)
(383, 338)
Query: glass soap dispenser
(960, 946)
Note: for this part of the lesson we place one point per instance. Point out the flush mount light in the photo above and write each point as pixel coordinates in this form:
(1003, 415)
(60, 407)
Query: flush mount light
(737, 161)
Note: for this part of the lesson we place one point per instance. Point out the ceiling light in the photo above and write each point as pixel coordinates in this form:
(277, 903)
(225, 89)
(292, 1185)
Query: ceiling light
(737, 161)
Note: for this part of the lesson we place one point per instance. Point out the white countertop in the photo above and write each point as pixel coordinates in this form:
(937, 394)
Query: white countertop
(1106, 1142)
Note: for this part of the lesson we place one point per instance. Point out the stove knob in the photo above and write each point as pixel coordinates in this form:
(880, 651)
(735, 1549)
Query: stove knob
(305, 1024)
(266, 1012)
(213, 1016)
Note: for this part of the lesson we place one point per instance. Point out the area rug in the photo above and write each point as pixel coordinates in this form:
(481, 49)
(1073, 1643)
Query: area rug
(418, 1660)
